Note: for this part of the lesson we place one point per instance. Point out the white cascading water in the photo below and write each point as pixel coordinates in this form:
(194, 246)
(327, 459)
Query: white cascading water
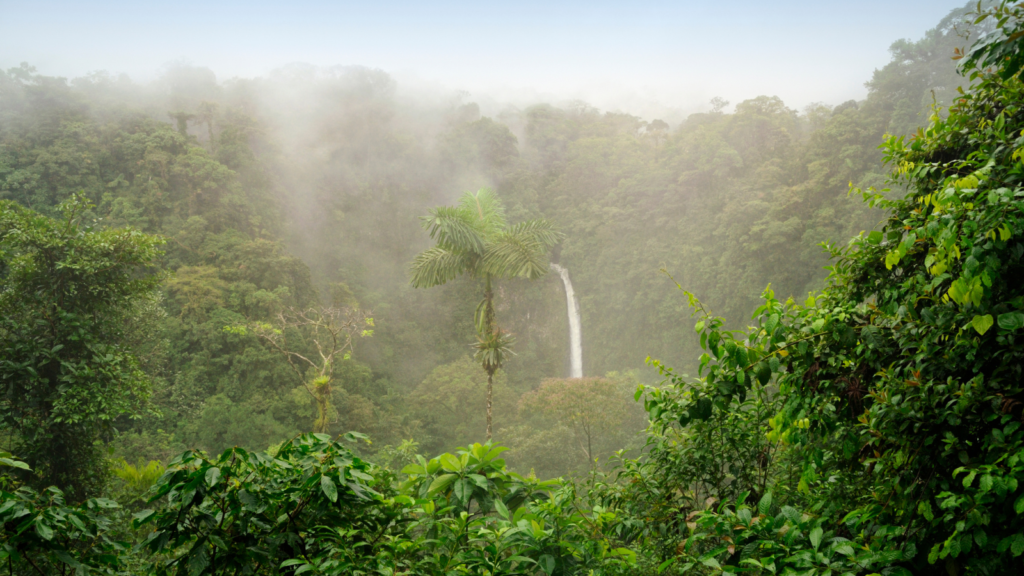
(575, 346)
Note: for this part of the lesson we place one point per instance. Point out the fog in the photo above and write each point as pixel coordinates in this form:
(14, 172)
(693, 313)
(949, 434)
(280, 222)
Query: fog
(651, 59)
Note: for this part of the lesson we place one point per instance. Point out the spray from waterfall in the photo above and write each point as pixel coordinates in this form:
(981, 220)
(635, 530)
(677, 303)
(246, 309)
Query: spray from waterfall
(575, 344)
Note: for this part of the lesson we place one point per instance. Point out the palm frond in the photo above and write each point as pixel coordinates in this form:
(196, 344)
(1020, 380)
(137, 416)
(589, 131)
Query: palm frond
(486, 208)
(455, 229)
(540, 230)
(521, 251)
(511, 256)
(437, 266)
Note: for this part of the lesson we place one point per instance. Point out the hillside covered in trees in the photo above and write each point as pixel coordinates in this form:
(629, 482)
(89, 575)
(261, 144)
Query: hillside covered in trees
(234, 313)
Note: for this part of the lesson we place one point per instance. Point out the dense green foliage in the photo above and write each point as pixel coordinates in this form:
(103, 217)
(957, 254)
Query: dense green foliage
(71, 299)
(891, 400)
(873, 426)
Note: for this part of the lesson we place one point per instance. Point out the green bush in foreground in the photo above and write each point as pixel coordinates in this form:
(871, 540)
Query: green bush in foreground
(316, 507)
(888, 408)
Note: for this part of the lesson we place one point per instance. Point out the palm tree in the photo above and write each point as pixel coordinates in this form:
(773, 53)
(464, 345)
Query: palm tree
(473, 238)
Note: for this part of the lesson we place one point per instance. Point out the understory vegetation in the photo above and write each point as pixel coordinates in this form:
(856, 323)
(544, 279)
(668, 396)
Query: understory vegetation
(230, 327)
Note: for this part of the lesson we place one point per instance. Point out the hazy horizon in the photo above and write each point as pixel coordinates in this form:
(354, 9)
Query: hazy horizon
(651, 59)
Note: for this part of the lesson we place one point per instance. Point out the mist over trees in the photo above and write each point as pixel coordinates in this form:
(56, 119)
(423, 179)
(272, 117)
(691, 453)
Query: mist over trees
(213, 348)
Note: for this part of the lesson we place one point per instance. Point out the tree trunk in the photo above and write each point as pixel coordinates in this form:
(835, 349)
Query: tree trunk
(322, 394)
(488, 307)
(490, 389)
(489, 330)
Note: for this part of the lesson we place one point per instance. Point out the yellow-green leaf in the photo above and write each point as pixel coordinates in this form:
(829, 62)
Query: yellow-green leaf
(982, 323)
(450, 463)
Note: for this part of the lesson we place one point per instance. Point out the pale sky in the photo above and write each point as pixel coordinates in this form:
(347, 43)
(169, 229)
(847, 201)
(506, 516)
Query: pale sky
(616, 55)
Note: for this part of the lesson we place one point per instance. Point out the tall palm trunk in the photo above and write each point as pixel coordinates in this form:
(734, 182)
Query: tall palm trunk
(489, 332)
(490, 387)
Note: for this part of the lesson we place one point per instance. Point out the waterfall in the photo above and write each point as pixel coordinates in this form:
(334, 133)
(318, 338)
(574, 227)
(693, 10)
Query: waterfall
(575, 346)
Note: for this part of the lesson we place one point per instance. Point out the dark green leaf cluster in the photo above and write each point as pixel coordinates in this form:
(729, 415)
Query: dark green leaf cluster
(315, 503)
(316, 507)
(1000, 50)
(767, 538)
(67, 369)
(40, 532)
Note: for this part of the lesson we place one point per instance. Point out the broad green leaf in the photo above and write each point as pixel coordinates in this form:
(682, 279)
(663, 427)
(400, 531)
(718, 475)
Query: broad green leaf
(1011, 320)
(413, 469)
(451, 463)
(626, 553)
(980, 537)
(871, 337)
(764, 372)
(710, 562)
(141, 517)
(494, 452)
(765, 505)
(198, 561)
(791, 514)
(106, 503)
(76, 521)
(70, 561)
(329, 488)
(1017, 546)
(441, 482)
(14, 463)
(212, 476)
(463, 490)
(844, 549)
(500, 507)
(815, 537)
(44, 531)
(219, 542)
(953, 545)
(892, 259)
(982, 323)
(741, 356)
(924, 508)
(547, 563)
